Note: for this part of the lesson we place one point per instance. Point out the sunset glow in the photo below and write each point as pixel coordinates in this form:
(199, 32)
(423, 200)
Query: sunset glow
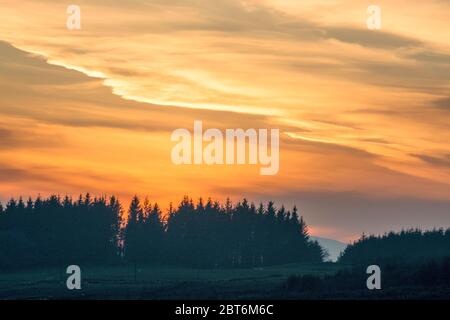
(364, 115)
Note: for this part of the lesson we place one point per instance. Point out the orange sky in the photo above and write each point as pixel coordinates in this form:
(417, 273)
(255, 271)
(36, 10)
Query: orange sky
(363, 115)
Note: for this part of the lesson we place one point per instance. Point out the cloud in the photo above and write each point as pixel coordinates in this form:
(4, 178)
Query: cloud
(11, 174)
(33, 179)
(27, 137)
(430, 57)
(371, 39)
(70, 98)
(443, 161)
(16, 65)
(443, 103)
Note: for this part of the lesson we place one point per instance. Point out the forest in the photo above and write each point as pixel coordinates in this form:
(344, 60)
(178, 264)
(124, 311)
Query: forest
(58, 231)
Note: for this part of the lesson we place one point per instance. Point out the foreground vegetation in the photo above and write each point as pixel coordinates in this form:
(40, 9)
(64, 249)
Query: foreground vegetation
(293, 281)
(152, 282)
(429, 279)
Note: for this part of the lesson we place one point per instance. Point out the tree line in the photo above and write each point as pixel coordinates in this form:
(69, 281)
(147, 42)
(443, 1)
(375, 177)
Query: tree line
(407, 246)
(55, 231)
(414, 264)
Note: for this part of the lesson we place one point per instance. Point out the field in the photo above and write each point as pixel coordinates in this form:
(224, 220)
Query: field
(122, 282)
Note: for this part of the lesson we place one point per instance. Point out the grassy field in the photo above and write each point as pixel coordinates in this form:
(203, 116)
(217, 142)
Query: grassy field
(122, 282)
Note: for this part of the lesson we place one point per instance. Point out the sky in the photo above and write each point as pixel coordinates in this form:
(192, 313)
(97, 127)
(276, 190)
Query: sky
(364, 115)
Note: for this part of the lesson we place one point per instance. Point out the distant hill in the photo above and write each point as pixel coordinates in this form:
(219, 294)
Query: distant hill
(333, 247)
